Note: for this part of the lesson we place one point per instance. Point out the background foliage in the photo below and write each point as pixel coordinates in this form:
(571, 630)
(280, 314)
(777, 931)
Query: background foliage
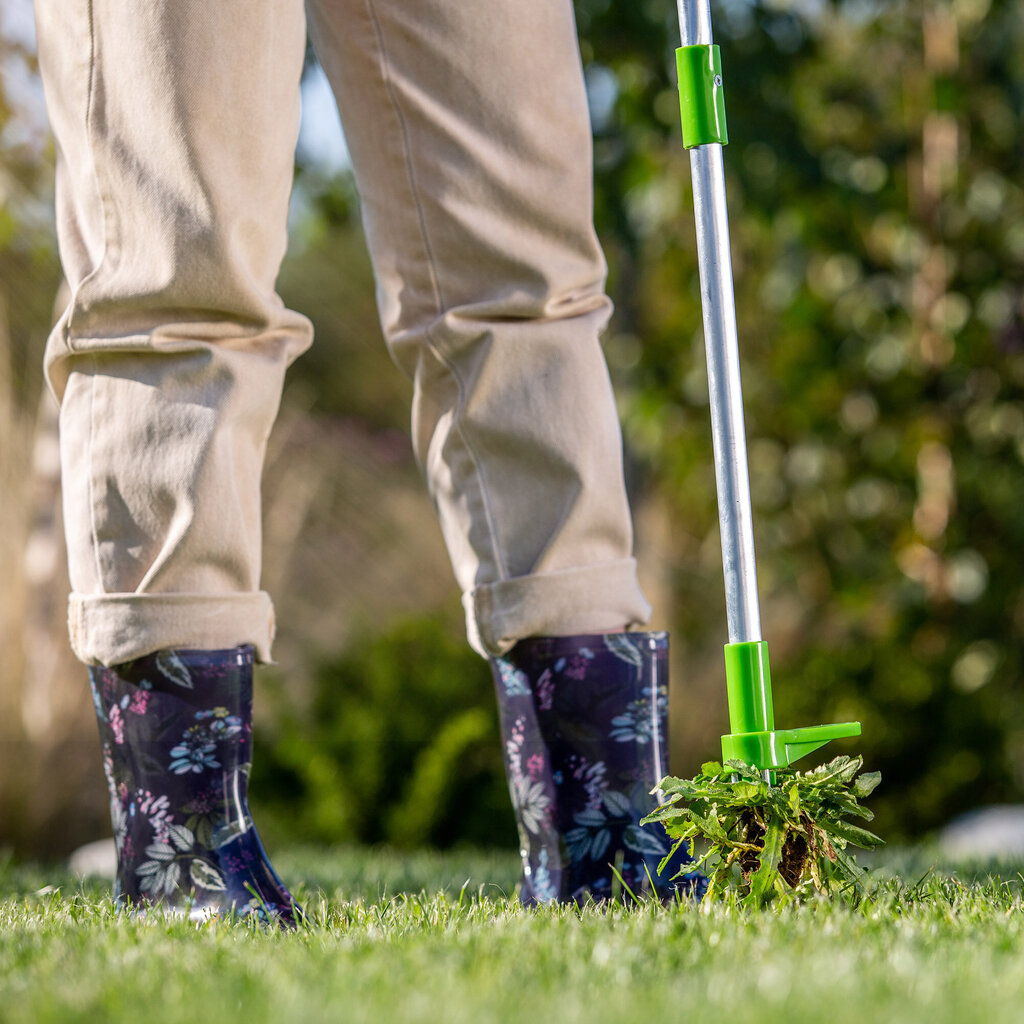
(876, 211)
(878, 235)
(398, 745)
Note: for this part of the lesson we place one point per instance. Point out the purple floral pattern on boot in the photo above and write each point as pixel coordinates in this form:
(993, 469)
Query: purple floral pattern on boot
(584, 723)
(176, 734)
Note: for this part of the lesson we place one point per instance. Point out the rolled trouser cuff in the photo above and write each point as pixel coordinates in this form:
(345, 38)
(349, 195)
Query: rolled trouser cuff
(110, 629)
(584, 600)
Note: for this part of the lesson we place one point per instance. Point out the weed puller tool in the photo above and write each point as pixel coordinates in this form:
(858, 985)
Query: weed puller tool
(753, 738)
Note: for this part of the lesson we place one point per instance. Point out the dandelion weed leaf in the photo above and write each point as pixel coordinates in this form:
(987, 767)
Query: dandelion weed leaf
(842, 769)
(850, 870)
(851, 834)
(762, 882)
(664, 814)
(794, 799)
(750, 792)
(742, 769)
(709, 826)
(866, 784)
(676, 788)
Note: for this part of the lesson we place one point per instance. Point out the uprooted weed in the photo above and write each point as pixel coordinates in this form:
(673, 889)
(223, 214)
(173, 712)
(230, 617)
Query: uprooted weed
(773, 841)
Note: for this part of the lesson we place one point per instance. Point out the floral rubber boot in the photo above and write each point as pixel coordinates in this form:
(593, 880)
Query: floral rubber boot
(584, 722)
(176, 733)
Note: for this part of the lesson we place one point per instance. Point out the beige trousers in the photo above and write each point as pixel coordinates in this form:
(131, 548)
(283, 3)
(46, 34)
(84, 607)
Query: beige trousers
(175, 123)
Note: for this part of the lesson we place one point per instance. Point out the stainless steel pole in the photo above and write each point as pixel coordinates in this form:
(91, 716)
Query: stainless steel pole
(721, 343)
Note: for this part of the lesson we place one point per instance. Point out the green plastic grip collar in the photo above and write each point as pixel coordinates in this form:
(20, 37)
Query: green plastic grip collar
(701, 97)
(749, 682)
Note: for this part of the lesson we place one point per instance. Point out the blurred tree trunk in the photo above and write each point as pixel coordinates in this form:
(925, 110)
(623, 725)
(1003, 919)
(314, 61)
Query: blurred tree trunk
(51, 787)
(13, 469)
(68, 800)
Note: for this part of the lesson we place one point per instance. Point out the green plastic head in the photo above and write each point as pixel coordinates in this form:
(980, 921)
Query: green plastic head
(754, 738)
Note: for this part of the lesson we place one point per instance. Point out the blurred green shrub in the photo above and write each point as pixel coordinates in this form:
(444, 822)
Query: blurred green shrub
(398, 744)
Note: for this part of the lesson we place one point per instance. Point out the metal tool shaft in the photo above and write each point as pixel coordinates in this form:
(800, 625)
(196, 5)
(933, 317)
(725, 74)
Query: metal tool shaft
(721, 342)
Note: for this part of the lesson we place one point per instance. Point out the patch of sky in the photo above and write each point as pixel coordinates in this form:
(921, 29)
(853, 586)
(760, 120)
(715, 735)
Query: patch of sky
(321, 149)
(17, 23)
(602, 93)
(27, 126)
(321, 143)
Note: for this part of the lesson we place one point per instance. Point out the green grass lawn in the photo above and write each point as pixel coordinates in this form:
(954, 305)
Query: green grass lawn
(431, 937)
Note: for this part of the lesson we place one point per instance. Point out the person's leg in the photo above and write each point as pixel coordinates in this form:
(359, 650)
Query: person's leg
(175, 123)
(470, 139)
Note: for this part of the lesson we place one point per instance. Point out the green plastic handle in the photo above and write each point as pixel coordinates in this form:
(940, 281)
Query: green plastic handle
(701, 97)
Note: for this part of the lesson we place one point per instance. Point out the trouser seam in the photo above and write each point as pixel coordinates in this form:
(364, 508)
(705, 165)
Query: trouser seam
(439, 303)
(499, 561)
(435, 282)
(94, 536)
(105, 213)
